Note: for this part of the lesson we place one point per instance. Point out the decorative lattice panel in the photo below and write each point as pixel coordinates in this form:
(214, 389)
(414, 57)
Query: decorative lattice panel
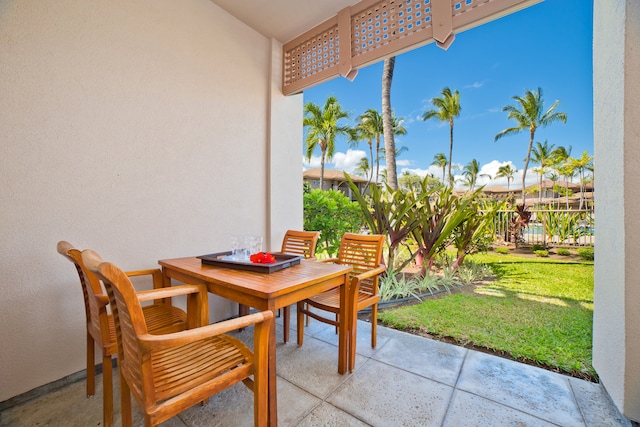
(313, 56)
(386, 22)
(374, 29)
(459, 7)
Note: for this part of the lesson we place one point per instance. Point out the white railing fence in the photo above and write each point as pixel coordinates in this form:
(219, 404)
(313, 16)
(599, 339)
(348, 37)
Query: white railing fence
(549, 227)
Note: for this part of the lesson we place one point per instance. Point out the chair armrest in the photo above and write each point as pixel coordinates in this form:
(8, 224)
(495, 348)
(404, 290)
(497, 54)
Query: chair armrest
(156, 277)
(329, 260)
(173, 291)
(355, 281)
(148, 272)
(155, 273)
(160, 342)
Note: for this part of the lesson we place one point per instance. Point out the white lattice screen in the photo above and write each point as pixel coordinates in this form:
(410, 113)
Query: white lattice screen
(374, 29)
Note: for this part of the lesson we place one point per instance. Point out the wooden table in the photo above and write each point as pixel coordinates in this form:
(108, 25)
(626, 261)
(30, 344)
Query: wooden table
(268, 292)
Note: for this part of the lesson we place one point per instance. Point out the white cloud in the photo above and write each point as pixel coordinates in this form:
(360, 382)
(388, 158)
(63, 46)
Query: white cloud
(474, 85)
(341, 161)
(491, 169)
(433, 170)
(314, 162)
(347, 161)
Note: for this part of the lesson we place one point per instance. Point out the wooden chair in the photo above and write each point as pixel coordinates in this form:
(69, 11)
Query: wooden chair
(168, 374)
(364, 253)
(160, 318)
(297, 243)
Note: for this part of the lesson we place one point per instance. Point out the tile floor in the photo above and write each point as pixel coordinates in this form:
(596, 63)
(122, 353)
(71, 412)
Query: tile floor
(406, 381)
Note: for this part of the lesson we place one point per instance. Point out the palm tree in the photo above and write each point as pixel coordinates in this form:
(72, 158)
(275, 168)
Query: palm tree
(440, 160)
(506, 171)
(387, 120)
(582, 164)
(471, 173)
(561, 166)
(567, 170)
(554, 177)
(545, 156)
(447, 108)
(363, 168)
(530, 115)
(323, 128)
(370, 128)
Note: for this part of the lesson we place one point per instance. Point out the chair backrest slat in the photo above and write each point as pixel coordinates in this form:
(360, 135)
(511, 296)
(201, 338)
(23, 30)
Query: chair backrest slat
(300, 243)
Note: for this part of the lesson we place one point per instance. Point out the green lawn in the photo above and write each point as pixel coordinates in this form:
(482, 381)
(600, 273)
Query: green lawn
(538, 309)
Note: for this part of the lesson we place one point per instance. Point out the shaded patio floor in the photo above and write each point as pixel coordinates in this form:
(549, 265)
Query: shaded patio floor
(406, 381)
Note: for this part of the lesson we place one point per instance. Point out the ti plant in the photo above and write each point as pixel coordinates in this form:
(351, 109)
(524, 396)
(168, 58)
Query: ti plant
(476, 231)
(440, 215)
(518, 222)
(391, 213)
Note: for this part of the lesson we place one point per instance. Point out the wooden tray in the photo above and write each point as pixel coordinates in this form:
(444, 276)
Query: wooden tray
(282, 261)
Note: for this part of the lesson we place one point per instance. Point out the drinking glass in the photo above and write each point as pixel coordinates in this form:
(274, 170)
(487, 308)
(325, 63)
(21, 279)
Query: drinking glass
(256, 244)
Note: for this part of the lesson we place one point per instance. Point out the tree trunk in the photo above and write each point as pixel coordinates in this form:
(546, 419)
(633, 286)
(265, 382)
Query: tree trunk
(451, 149)
(532, 134)
(322, 168)
(387, 122)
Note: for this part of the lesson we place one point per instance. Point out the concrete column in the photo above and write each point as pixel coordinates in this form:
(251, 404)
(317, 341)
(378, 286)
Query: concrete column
(616, 328)
(284, 210)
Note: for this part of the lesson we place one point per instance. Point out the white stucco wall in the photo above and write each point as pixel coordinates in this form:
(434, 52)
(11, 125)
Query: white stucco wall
(616, 330)
(142, 129)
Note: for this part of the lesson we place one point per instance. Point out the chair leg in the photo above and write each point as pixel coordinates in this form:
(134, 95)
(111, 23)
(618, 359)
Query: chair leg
(107, 391)
(300, 322)
(286, 320)
(374, 325)
(243, 310)
(125, 402)
(91, 368)
(353, 339)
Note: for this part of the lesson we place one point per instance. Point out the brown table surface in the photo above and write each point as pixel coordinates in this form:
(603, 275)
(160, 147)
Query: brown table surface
(268, 292)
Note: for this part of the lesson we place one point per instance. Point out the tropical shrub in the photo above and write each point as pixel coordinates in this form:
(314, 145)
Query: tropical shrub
(332, 214)
(563, 251)
(586, 253)
(391, 213)
(444, 217)
(397, 286)
(537, 247)
(563, 226)
(501, 250)
(542, 253)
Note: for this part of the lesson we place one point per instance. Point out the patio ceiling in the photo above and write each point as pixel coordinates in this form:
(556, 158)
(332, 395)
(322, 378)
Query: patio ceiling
(283, 19)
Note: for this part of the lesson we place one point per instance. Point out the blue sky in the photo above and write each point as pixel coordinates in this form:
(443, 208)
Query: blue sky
(547, 45)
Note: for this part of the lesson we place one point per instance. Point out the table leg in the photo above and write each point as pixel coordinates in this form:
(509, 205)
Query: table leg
(344, 329)
(273, 395)
(286, 318)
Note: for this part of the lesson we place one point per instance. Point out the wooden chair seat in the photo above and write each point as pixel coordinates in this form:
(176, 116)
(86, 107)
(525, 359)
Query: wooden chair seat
(190, 365)
(164, 318)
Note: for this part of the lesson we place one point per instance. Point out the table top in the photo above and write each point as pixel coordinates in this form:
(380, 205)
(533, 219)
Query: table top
(262, 285)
